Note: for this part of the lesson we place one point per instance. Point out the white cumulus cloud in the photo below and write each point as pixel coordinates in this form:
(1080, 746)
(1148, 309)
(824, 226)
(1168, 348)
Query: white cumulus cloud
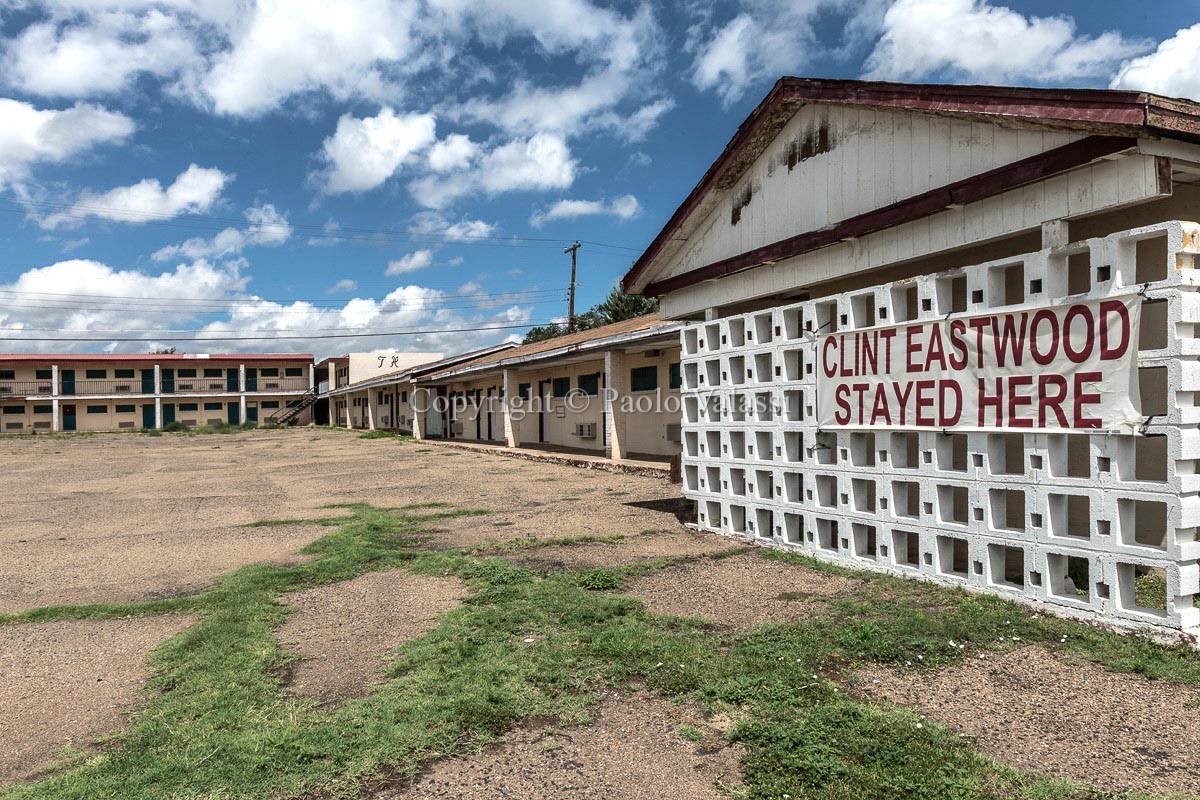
(410, 262)
(977, 41)
(30, 135)
(768, 38)
(543, 161)
(194, 191)
(363, 153)
(109, 305)
(431, 223)
(1172, 69)
(623, 207)
(287, 47)
(266, 226)
(81, 56)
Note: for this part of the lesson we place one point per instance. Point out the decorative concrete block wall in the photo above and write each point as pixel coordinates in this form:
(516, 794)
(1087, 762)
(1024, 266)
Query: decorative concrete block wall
(1068, 520)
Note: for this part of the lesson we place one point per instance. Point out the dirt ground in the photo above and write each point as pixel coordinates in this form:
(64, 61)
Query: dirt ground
(633, 751)
(1064, 717)
(121, 517)
(738, 592)
(127, 517)
(343, 631)
(64, 684)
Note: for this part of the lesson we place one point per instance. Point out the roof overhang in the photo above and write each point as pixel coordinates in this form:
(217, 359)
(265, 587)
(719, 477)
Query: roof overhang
(1103, 113)
(660, 335)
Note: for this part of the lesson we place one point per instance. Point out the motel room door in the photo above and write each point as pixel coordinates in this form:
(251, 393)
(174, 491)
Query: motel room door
(68, 417)
(543, 401)
(148, 382)
(232, 413)
(251, 412)
(168, 413)
(148, 415)
(67, 380)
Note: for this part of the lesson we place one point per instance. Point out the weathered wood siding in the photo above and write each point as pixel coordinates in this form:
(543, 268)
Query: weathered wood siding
(830, 163)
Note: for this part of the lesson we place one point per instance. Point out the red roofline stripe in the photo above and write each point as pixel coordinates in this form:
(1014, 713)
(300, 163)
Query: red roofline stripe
(173, 358)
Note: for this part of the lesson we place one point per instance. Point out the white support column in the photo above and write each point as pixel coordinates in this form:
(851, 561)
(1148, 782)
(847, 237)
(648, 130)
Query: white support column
(56, 421)
(512, 396)
(158, 381)
(54, 381)
(242, 408)
(370, 411)
(419, 398)
(312, 376)
(616, 381)
(157, 406)
(349, 401)
(242, 379)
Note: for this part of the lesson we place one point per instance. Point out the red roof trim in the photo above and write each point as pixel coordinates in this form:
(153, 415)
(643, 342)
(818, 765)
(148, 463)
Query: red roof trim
(969, 190)
(1097, 111)
(67, 358)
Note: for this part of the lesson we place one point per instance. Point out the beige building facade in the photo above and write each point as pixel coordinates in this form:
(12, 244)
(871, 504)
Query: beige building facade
(612, 391)
(101, 392)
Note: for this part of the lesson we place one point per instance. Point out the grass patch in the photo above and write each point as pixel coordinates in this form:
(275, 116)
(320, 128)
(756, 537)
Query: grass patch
(526, 645)
(404, 437)
(222, 428)
(283, 523)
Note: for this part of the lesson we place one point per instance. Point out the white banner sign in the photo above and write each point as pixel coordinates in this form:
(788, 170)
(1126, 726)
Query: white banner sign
(1065, 368)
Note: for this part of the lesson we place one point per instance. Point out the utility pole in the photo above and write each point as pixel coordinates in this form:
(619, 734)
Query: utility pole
(573, 250)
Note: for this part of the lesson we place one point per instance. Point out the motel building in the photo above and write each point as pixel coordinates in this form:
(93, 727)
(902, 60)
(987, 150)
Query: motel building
(342, 387)
(374, 391)
(611, 392)
(106, 392)
(950, 332)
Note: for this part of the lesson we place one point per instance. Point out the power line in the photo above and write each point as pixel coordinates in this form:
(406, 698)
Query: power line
(197, 306)
(203, 222)
(243, 338)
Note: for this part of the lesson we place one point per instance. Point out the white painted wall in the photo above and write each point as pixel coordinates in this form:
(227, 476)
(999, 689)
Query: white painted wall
(779, 480)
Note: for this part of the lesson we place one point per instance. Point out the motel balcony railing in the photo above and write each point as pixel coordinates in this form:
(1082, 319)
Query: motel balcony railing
(24, 388)
(135, 386)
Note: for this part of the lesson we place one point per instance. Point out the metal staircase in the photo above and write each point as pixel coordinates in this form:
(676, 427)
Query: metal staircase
(294, 408)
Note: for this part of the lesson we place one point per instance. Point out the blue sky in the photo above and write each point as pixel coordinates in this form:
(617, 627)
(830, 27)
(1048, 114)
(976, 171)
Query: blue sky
(228, 169)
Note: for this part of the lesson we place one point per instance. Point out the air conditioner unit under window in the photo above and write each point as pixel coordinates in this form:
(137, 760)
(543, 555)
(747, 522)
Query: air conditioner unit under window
(586, 430)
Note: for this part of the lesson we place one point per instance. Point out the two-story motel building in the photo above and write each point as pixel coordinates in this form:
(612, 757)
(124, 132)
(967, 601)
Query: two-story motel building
(102, 392)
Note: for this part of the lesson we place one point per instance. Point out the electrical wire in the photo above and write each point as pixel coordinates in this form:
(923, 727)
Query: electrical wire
(243, 338)
(204, 222)
(198, 306)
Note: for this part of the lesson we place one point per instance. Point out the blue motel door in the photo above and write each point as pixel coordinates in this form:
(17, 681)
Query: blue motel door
(232, 413)
(148, 415)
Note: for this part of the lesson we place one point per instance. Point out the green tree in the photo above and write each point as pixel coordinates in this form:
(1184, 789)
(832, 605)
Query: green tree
(619, 306)
(616, 307)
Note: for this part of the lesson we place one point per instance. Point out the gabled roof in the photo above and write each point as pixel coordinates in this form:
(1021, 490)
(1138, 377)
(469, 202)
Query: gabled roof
(640, 328)
(1100, 112)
